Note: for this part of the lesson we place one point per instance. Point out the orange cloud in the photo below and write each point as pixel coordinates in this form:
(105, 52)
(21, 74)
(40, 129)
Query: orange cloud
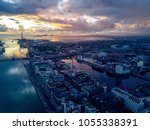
(133, 26)
(61, 25)
(118, 25)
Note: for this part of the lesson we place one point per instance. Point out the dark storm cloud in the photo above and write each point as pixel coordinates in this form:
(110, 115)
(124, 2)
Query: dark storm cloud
(125, 12)
(25, 6)
(113, 8)
(123, 9)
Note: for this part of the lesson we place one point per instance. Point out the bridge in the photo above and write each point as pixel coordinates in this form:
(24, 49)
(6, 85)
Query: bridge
(13, 59)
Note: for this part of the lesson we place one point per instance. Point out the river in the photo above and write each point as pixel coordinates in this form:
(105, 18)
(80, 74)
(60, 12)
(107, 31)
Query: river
(17, 94)
(127, 84)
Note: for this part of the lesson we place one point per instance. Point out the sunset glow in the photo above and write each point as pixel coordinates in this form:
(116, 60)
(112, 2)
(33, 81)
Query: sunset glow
(71, 16)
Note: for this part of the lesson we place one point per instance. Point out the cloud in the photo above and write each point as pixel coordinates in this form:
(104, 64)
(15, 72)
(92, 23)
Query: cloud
(81, 15)
(122, 9)
(112, 8)
(81, 23)
(16, 21)
(3, 28)
(15, 71)
(124, 12)
(25, 6)
(28, 90)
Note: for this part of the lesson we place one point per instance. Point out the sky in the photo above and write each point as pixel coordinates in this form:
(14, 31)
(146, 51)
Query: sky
(126, 17)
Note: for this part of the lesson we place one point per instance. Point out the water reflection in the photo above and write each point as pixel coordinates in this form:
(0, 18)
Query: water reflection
(15, 71)
(17, 93)
(26, 90)
(12, 49)
(126, 84)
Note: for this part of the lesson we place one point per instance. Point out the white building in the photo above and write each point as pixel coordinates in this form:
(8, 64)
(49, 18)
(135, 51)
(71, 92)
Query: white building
(122, 69)
(140, 64)
(103, 54)
(119, 69)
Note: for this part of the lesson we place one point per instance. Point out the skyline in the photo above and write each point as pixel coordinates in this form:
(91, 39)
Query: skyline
(59, 17)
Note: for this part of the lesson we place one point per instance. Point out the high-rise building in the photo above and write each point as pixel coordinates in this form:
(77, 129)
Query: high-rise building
(22, 36)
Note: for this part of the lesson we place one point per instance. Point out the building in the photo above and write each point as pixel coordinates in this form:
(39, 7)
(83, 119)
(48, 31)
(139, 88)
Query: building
(88, 107)
(140, 64)
(58, 98)
(131, 102)
(88, 89)
(71, 107)
(120, 69)
(120, 48)
(103, 54)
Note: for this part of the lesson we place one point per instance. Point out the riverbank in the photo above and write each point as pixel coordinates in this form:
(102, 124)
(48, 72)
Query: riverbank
(112, 82)
(39, 89)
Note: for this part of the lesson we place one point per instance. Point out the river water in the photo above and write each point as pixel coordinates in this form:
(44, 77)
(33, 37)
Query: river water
(17, 94)
(127, 84)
